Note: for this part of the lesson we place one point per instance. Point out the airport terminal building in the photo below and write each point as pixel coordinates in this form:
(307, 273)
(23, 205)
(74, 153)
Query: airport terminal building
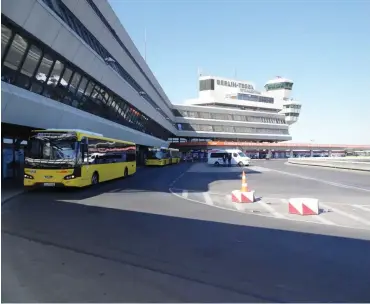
(71, 64)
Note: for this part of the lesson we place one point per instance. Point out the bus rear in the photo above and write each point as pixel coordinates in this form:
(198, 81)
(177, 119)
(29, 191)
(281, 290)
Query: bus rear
(157, 157)
(175, 155)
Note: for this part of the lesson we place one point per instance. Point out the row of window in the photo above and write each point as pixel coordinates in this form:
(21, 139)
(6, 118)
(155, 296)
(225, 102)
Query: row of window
(280, 85)
(101, 151)
(256, 98)
(292, 106)
(202, 139)
(229, 129)
(292, 114)
(29, 64)
(113, 32)
(76, 25)
(233, 106)
(221, 116)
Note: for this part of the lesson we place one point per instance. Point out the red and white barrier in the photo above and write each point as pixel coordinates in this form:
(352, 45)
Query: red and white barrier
(240, 198)
(304, 206)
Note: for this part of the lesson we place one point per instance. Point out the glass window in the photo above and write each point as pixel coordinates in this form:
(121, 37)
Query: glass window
(89, 88)
(206, 128)
(193, 114)
(95, 92)
(44, 68)
(218, 128)
(31, 61)
(74, 83)
(102, 95)
(229, 129)
(66, 77)
(204, 115)
(239, 117)
(15, 53)
(110, 101)
(6, 33)
(55, 73)
(220, 116)
(205, 85)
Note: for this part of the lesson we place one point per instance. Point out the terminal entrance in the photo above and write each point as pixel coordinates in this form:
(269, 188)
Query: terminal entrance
(13, 144)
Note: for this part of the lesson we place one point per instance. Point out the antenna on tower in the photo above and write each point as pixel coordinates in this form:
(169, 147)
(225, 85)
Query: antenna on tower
(199, 72)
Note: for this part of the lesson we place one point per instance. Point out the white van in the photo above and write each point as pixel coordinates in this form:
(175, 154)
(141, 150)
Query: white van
(215, 157)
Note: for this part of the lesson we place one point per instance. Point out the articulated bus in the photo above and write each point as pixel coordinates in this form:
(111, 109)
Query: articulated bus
(162, 156)
(76, 158)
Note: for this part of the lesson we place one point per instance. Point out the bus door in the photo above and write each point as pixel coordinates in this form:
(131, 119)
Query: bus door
(85, 165)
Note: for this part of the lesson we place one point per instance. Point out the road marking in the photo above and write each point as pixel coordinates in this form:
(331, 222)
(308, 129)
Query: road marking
(173, 192)
(271, 210)
(351, 216)
(208, 198)
(322, 181)
(185, 193)
(323, 220)
(177, 178)
(367, 208)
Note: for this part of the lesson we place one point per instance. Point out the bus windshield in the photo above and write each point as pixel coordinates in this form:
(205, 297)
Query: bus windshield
(155, 154)
(50, 150)
(241, 154)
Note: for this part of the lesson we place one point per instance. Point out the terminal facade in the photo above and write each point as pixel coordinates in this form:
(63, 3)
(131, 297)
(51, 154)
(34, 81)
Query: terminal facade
(71, 64)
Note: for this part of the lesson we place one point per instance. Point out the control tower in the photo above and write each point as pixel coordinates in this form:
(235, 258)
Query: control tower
(280, 89)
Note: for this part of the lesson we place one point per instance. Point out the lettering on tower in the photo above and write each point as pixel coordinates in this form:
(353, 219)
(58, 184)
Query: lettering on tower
(234, 84)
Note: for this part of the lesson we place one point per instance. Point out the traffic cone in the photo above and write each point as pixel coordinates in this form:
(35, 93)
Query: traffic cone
(244, 183)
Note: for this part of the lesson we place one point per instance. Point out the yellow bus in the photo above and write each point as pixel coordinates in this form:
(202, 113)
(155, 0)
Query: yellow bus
(76, 158)
(175, 155)
(162, 156)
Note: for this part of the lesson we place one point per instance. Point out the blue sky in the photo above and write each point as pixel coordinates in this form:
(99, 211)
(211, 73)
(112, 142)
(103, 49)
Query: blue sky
(324, 46)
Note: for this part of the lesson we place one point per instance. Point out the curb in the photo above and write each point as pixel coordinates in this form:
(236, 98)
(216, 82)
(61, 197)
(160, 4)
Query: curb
(328, 164)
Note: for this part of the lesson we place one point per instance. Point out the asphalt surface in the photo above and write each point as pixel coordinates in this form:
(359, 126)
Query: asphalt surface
(276, 179)
(132, 240)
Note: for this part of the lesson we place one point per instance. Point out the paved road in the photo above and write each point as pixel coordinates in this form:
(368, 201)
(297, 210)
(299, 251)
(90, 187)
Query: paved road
(276, 179)
(134, 241)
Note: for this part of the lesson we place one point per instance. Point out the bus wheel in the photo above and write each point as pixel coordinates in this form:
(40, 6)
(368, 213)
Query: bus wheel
(95, 179)
(217, 164)
(125, 174)
(241, 164)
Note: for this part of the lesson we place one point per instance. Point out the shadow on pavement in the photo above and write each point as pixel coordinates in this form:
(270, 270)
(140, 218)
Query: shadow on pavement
(148, 179)
(241, 263)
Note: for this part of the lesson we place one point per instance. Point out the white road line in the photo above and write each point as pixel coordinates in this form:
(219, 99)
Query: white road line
(322, 181)
(185, 193)
(367, 208)
(207, 198)
(351, 216)
(323, 220)
(177, 178)
(271, 210)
